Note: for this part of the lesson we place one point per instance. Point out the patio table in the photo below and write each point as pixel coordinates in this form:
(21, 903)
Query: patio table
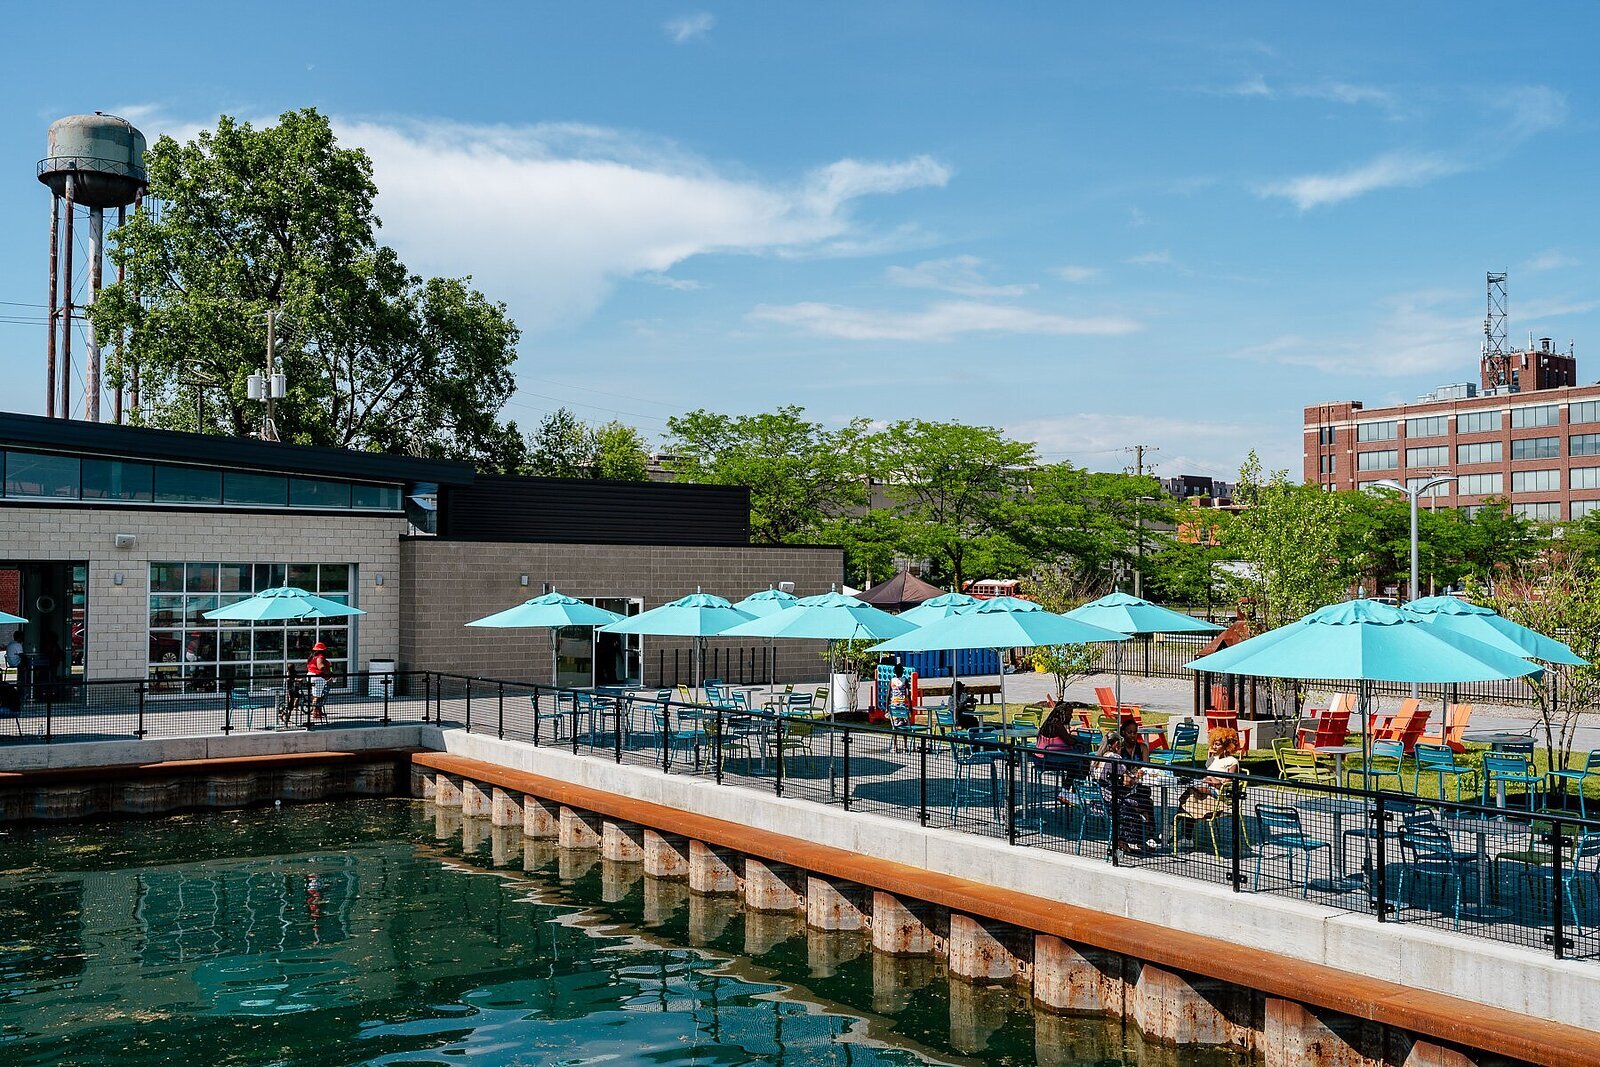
(1479, 829)
(1338, 752)
(1339, 808)
(1496, 740)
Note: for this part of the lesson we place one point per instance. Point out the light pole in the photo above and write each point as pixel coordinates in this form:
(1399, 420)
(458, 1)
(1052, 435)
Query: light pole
(1413, 495)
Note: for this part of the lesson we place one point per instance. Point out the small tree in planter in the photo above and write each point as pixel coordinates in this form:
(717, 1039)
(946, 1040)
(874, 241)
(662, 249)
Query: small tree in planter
(854, 659)
(1060, 589)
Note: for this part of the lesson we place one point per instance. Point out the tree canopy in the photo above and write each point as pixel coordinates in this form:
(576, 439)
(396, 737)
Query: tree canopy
(281, 218)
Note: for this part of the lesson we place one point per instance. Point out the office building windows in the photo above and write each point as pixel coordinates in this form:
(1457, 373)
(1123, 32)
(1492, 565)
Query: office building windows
(1581, 508)
(1387, 460)
(1432, 426)
(1536, 448)
(1376, 431)
(1536, 481)
(1482, 484)
(1584, 411)
(1327, 464)
(1535, 415)
(1583, 478)
(1543, 511)
(1584, 444)
(1482, 452)
(1478, 421)
(1437, 456)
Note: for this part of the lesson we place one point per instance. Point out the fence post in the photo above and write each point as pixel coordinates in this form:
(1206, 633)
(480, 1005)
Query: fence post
(1116, 820)
(1380, 877)
(468, 725)
(49, 710)
(575, 724)
(1011, 795)
(666, 736)
(538, 711)
(777, 779)
(622, 702)
(847, 770)
(227, 711)
(716, 748)
(1558, 928)
(922, 779)
(427, 694)
(388, 680)
(140, 731)
(1235, 834)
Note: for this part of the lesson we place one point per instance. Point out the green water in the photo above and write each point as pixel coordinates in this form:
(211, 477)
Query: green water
(387, 932)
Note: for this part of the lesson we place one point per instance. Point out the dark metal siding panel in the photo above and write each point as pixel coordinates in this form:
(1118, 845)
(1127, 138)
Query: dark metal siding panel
(582, 511)
(139, 442)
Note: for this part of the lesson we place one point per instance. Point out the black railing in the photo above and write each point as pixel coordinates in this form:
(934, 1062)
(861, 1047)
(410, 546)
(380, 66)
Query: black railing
(1519, 873)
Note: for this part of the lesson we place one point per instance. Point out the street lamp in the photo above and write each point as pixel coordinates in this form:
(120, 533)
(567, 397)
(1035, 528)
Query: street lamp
(1413, 494)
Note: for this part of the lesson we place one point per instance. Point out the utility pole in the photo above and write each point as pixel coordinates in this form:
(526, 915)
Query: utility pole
(1138, 517)
(270, 385)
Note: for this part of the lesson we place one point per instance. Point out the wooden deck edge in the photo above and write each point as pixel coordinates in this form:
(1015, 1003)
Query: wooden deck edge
(1437, 1015)
(207, 765)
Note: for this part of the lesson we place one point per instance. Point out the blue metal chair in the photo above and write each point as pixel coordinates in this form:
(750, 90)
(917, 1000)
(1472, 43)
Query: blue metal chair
(1184, 748)
(1385, 762)
(1280, 828)
(1434, 854)
(1578, 776)
(1440, 760)
(1582, 862)
(250, 703)
(550, 707)
(1091, 808)
(1506, 768)
(969, 758)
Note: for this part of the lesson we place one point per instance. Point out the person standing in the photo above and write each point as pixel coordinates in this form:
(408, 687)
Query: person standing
(317, 671)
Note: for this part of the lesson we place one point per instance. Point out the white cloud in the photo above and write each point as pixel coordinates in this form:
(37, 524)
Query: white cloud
(1337, 92)
(667, 281)
(1159, 258)
(961, 275)
(1427, 332)
(1072, 273)
(690, 27)
(1390, 170)
(1551, 259)
(942, 321)
(549, 217)
(1097, 440)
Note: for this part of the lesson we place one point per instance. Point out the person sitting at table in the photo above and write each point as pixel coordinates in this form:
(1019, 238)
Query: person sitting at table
(1055, 732)
(1207, 798)
(964, 706)
(1119, 777)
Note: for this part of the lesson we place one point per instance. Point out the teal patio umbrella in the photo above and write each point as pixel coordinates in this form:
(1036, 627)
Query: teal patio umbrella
(941, 606)
(1364, 641)
(768, 601)
(1492, 628)
(552, 611)
(1000, 623)
(698, 615)
(8, 619)
(1133, 615)
(283, 604)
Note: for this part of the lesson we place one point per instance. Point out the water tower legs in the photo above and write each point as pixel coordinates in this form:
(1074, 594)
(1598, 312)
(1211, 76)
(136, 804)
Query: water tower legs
(65, 406)
(122, 343)
(50, 341)
(91, 368)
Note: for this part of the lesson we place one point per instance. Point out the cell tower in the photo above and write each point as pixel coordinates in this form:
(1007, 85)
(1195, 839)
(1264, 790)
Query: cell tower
(94, 162)
(1496, 345)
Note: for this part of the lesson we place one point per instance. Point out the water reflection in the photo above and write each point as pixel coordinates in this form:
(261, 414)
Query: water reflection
(391, 932)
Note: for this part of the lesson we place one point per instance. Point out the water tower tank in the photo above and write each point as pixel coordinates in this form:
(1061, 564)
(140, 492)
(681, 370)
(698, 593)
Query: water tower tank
(104, 155)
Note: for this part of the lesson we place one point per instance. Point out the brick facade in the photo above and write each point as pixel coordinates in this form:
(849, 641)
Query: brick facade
(447, 583)
(118, 645)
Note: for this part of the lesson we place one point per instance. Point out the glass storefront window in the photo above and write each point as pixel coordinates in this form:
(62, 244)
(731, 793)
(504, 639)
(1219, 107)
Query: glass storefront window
(188, 485)
(191, 653)
(115, 479)
(376, 497)
(36, 474)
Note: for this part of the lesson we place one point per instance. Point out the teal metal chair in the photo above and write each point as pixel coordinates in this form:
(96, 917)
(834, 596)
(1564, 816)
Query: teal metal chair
(248, 702)
(1280, 828)
(1434, 855)
(1581, 863)
(1510, 768)
(1440, 760)
(1185, 746)
(1577, 776)
(1384, 762)
(1091, 809)
(967, 786)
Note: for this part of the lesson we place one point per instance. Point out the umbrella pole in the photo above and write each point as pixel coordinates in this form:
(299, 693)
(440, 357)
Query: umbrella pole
(1005, 723)
(1366, 741)
(1119, 679)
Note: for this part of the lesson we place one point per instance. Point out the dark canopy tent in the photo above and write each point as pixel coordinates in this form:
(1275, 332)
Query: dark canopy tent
(904, 590)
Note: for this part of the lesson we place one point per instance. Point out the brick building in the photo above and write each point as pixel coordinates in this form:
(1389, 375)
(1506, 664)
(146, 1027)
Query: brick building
(1528, 436)
(115, 540)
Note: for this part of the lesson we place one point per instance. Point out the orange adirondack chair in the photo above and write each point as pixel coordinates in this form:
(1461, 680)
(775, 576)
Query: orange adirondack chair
(1220, 699)
(1389, 727)
(1332, 727)
(1456, 717)
(1108, 704)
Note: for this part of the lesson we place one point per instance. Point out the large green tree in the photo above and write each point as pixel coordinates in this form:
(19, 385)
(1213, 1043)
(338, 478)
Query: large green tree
(1286, 542)
(953, 484)
(281, 218)
(564, 446)
(800, 473)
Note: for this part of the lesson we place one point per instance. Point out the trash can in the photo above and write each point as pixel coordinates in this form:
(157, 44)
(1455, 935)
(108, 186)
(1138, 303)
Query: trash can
(379, 672)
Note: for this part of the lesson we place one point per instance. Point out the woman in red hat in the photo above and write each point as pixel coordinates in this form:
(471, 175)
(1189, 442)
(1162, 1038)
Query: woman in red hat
(317, 670)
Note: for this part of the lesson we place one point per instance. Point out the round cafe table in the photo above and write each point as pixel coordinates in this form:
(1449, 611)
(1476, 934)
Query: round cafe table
(1338, 752)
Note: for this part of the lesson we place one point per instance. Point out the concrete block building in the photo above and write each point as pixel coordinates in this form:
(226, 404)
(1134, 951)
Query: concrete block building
(115, 540)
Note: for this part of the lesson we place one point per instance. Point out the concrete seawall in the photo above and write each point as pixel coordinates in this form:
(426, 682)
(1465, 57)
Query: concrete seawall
(1278, 975)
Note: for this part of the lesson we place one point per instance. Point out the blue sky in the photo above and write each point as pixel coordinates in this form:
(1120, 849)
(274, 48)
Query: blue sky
(1094, 226)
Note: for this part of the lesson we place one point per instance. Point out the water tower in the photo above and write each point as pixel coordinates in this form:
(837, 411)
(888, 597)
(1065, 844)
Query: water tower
(94, 162)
